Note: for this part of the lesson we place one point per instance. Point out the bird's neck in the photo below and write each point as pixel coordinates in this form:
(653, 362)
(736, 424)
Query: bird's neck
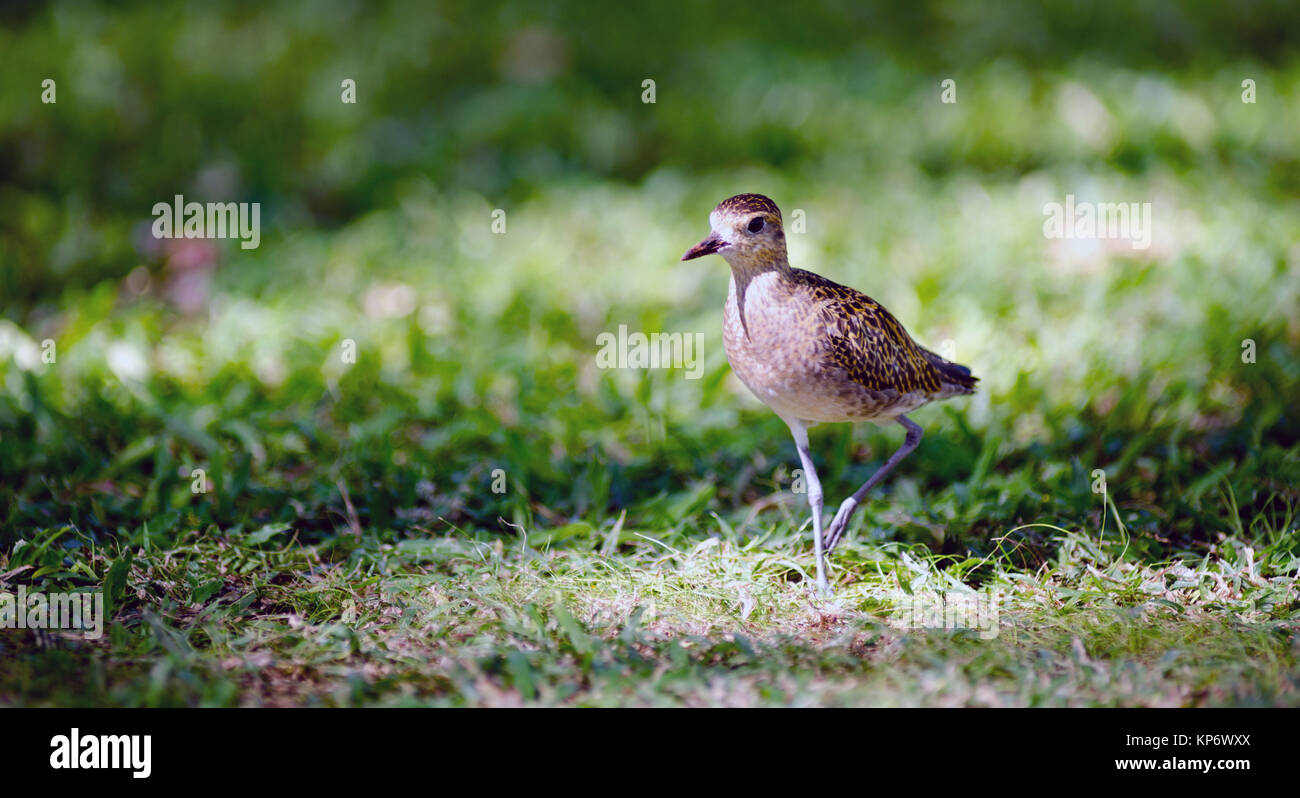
(744, 271)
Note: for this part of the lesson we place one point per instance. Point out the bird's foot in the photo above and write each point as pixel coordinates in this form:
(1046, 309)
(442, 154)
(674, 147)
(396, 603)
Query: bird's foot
(835, 531)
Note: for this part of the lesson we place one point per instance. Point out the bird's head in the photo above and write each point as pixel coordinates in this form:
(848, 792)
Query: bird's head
(746, 230)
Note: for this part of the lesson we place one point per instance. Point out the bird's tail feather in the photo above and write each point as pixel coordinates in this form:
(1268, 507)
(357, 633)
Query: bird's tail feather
(956, 378)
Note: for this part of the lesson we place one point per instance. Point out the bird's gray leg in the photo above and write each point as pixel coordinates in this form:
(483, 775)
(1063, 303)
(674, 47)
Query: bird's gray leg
(841, 522)
(800, 431)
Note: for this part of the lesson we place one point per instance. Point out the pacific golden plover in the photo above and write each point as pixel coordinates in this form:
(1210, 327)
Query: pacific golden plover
(815, 351)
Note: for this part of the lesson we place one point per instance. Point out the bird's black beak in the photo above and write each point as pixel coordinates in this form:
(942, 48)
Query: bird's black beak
(708, 246)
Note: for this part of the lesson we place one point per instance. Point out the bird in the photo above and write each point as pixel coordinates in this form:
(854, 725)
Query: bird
(815, 351)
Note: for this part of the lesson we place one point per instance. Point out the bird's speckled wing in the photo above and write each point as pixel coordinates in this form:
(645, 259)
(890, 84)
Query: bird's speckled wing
(869, 343)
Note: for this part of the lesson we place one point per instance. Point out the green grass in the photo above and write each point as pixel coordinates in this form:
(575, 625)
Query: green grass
(647, 547)
(450, 621)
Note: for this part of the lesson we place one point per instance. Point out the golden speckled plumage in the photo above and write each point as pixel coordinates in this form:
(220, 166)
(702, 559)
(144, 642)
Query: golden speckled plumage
(819, 351)
(745, 204)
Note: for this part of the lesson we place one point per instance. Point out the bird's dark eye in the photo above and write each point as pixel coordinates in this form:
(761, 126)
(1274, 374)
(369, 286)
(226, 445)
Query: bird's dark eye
(756, 224)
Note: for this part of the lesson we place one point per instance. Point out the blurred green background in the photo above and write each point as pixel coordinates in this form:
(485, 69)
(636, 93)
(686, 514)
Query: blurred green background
(476, 351)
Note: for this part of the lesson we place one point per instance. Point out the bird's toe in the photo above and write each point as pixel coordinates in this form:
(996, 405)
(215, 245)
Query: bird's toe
(837, 526)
